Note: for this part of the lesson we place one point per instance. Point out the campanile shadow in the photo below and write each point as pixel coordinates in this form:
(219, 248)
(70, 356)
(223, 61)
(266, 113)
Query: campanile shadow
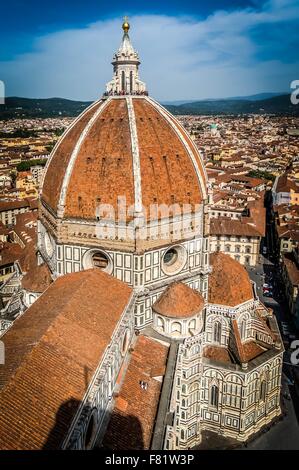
(124, 432)
(63, 421)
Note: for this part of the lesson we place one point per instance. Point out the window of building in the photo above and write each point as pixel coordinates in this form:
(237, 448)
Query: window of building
(90, 431)
(123, 80)
(160, 323)
(176, 327)
(170, 257)
(217, 332)
(131, 81)
(174, 260)
(100, 260)
(263, 390)
(247, 259)
(238, 249)
(214, 396)
(227, 248)
(125, 342)
(248, 249)
(243, 329)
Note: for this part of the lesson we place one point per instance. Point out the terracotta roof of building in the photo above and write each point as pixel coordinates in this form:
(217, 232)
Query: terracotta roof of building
(248, 350)
(133, 418)
(289, 232)
(292, 268)
(9, 253)
(229, 283)
(37, 279)
(247, 181)
(217, 353)
(3, 229)
(179, 301)
(28, 257)
(103, 167)
(51, 354)
(243, 227)
(6, 205)
(26, 227)
(285, 184)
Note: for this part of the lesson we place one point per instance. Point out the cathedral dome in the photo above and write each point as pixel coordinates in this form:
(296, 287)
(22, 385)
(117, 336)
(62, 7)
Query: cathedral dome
(123, 146)
(229, 283)
(126, 147)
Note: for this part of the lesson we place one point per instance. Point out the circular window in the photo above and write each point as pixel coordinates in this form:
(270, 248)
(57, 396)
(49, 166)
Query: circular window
(100, 260)
(49, 245)
(174, 260)
(170, 257)
(90, 431)
(97, 259)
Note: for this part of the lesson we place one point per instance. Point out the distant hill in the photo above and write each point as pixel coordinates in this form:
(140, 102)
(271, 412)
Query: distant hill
(58, 107)
(257, 97)
(33, 108)
(278, 105)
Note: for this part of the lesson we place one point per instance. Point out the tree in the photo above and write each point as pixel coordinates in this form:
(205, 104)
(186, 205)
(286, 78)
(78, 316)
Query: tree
(27, 164)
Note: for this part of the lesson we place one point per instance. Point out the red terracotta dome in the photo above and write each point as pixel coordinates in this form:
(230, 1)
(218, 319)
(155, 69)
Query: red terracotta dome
(179, 301)
(229, 283)
(123, 146)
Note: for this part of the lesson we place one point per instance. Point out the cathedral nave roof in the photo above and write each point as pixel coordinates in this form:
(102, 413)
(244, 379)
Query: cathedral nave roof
(51, 354)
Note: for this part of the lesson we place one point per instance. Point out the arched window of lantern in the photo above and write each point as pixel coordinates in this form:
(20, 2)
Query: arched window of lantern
(131, 81)
(123, 81)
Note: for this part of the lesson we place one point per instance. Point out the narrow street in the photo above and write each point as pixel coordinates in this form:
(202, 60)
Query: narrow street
(284, 435)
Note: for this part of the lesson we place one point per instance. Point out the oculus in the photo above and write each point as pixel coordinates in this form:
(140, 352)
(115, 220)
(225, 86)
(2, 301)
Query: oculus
(174, 259)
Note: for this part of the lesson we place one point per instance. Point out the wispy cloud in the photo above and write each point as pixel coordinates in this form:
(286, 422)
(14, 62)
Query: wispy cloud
(228, 53)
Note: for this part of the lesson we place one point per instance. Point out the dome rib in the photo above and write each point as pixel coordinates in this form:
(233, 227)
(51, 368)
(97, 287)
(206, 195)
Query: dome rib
(59, 158)
(65, 133)
(124, 147)
(180, 131)
(135, 157)
(74, 155)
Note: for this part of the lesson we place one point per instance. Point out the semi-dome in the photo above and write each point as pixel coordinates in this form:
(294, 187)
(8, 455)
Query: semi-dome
(229, 283)
(179, 301)
(123, 146)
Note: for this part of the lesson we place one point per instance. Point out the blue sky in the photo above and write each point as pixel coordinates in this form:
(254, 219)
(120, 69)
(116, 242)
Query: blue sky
(189, 49)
